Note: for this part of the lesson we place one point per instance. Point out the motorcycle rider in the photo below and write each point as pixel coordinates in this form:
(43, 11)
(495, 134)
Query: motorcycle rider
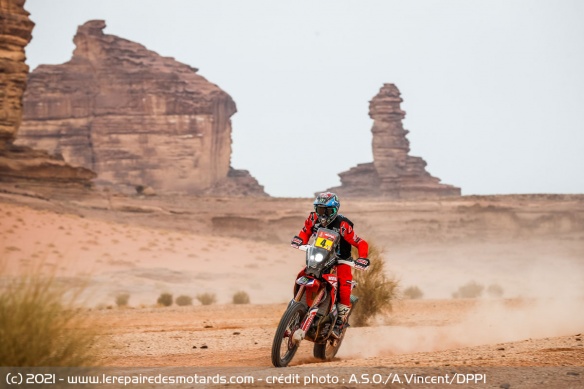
(326, 214)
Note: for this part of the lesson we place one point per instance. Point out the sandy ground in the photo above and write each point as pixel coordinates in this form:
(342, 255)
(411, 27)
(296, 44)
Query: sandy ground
(531, 248)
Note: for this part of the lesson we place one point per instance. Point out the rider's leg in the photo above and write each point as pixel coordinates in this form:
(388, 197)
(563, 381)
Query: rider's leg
(344, 306)
(345, 276)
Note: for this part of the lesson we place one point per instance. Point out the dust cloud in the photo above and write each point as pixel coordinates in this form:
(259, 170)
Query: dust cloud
(550, 296)
(491, 322)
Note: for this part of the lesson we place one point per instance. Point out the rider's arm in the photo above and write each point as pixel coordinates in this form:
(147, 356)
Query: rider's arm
(306, 231)
(349, 235)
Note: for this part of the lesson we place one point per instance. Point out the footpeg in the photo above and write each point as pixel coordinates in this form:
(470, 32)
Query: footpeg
(298, 336)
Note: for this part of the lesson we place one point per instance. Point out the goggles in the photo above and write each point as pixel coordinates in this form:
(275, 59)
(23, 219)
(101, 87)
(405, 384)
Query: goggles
(324, 211)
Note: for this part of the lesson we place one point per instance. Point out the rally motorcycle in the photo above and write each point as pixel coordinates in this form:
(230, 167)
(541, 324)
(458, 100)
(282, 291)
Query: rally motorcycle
(312, 314)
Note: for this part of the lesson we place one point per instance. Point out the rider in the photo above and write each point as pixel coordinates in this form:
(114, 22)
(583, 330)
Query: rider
(326, 214)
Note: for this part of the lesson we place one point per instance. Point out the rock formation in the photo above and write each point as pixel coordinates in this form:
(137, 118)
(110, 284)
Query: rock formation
(393, 173)
(16, 32)
(135, 118)
(17, 163)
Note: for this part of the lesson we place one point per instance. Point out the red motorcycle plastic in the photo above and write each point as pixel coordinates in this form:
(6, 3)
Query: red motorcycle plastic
(312, 313)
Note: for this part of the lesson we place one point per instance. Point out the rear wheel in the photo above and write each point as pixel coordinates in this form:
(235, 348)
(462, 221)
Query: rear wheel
(283, 347)
(327, 351)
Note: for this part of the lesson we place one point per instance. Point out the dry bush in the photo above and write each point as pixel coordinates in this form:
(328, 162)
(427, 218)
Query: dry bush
(207, 298)
(241, 297)
(495, 291)
(165, 299)
(413, 293)
(184, 300)
(40, 326)
(470, 290)
(375, 289)
(122, 299)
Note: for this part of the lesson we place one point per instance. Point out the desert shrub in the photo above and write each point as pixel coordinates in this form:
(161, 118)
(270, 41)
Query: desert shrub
(375, 289)
(471, 290)
(184, 300)
(495, 291)
(413, 292)
(165, 299)
(122, 299)
(207, 298)
(241, 297)
(40, 325)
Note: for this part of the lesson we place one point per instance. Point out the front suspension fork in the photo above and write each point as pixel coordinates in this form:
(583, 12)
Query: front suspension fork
(301, 332)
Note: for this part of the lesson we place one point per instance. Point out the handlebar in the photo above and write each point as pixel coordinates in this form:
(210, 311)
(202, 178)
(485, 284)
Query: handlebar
(358, 264)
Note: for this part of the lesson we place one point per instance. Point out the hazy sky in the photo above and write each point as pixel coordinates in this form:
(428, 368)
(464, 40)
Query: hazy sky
(493, 90)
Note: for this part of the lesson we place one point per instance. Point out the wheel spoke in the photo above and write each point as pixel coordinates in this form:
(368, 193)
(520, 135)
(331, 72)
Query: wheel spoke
(284, 348)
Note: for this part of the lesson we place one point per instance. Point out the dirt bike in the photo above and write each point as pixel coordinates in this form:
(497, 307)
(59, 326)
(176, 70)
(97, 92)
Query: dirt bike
(312, 313)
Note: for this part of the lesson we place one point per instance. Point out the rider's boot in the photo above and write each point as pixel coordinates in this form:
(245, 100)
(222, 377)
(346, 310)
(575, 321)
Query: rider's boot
(341, 319)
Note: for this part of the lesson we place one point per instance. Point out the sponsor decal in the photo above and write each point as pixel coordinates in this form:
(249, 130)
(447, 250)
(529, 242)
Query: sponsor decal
(326, 235)
(346, 229)
(303, 280)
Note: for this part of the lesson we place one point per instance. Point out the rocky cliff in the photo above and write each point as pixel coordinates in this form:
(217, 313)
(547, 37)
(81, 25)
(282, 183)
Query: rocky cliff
(393, 172)
(15, 33)
(135, 118)
(17, 163)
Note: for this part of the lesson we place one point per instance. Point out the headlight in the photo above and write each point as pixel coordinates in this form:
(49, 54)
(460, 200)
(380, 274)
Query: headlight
(318, 257)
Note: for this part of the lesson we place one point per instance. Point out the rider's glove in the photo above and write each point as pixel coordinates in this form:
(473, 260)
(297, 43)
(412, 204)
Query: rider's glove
(362, 263)
(296, 242)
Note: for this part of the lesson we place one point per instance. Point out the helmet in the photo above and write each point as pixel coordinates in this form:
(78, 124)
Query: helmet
(326, 206)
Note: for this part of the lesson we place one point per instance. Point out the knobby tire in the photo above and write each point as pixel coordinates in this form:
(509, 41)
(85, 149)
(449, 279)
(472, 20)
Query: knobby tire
(326, 351)
(289, 323)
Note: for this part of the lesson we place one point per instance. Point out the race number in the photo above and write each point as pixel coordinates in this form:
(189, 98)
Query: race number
(325, 241)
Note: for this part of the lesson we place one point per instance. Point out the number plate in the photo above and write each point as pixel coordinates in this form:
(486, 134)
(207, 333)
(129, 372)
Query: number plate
(324, 240)
(324, 243)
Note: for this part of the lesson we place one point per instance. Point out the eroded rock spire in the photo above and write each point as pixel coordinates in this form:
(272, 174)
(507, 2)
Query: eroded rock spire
(393, 172)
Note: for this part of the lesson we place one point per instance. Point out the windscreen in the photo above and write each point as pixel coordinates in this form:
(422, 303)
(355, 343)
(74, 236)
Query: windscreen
(321, 250)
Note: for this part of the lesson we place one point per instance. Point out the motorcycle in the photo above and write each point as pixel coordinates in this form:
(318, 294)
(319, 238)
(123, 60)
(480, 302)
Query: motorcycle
(312, 313)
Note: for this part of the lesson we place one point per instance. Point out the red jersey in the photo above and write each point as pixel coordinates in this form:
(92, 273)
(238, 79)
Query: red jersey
(344, 227)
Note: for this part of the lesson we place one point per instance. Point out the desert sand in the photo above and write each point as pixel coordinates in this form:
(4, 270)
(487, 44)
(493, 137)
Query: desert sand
(530, 247)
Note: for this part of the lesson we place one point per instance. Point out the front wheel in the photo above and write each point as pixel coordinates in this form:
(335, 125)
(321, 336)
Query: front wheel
(283, 346)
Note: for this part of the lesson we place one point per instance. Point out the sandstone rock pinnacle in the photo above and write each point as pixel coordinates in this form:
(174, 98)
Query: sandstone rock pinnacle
(393, 173)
